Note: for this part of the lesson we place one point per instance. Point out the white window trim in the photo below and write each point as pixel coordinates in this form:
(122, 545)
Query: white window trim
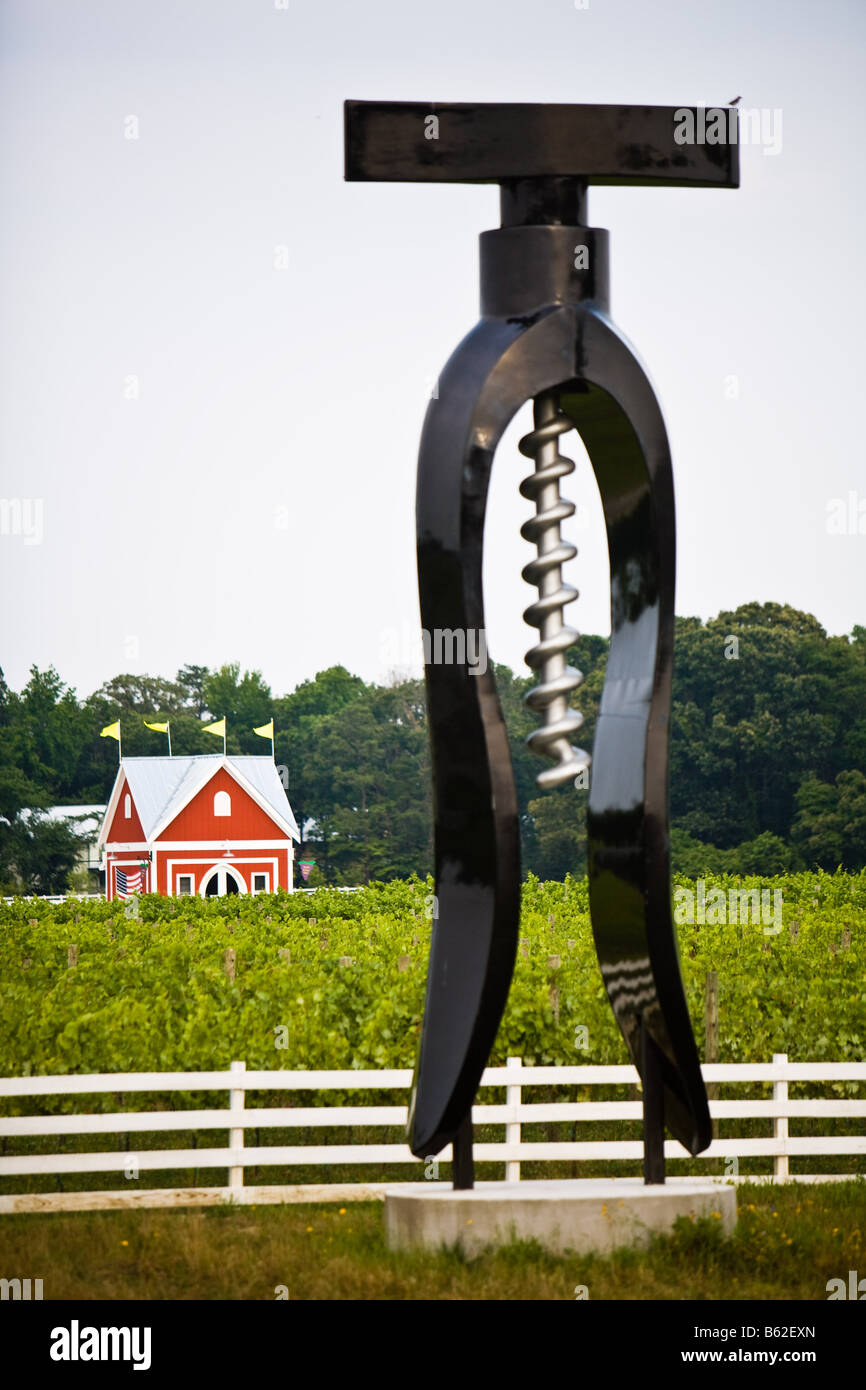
(222, 799)
(220, 869)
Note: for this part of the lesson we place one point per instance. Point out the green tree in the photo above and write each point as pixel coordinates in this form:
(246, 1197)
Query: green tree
(37, 855)
(765, 855)
(763, 698)
(830, 825)
(245, 701)
(362, 774)
(329, 693)
(559, 819)
(142, 695)
(17, 789)
(192, 681)
(46, 731)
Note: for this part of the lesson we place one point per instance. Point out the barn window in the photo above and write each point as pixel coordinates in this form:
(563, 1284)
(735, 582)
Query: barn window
(222, 804)
(260, 883)
(184, 884)
(127, 806)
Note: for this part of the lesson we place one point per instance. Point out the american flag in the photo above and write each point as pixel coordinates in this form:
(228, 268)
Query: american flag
(127, 882)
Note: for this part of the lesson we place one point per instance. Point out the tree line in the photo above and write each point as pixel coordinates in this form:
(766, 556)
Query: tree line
(768, 747)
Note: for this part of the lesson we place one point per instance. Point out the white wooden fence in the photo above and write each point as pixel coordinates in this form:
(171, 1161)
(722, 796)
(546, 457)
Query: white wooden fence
(237, 1155)
(56, 898)
(101, 898)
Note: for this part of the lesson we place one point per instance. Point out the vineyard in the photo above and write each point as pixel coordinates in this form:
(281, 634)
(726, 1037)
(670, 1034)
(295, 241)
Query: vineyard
(335, 980)
(190, 984)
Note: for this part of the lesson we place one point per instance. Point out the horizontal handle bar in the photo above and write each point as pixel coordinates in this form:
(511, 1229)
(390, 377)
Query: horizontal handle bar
(471, 142)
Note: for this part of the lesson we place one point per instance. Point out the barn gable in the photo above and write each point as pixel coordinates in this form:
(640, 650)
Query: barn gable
(118, 827)
(222, 810)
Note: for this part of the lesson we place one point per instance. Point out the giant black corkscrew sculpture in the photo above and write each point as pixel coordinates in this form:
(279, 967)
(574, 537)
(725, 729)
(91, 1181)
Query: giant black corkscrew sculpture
(545, 334)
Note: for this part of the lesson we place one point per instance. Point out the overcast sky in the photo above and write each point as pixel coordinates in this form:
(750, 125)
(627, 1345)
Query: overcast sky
(214, 441)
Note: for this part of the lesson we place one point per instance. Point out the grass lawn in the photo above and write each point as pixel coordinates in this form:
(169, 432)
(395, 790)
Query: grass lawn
(789, 1241)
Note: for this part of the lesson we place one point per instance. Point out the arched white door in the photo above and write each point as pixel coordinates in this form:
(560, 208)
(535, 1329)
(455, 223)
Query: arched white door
(222, 880)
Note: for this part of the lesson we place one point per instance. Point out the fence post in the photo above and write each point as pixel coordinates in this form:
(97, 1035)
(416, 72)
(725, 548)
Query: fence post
(711, 1032)
(236, 1136)
(512, 1131)
(780, 1126)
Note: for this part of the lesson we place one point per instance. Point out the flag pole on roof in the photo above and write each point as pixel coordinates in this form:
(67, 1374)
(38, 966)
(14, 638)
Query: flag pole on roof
(267, 731)
(161, 729)
(113, 731)
(218, 727)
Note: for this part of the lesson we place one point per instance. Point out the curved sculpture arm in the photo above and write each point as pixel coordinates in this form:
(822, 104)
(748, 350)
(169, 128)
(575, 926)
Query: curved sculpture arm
(477, 841)
(616, 413)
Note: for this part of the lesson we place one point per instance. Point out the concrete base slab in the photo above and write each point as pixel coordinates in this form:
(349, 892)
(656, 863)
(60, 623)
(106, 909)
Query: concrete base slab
(578, 1214)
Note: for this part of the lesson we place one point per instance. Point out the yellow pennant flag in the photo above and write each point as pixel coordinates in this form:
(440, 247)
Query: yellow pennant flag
(218, 727)
(265, 730)
(158, 728)
(111, 730)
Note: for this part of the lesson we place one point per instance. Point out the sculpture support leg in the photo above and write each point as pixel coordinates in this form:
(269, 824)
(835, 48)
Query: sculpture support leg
(653, 1109)
(463, 1167)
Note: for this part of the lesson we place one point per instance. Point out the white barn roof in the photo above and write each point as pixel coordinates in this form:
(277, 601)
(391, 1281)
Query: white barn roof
(89, 818)
(161, 787)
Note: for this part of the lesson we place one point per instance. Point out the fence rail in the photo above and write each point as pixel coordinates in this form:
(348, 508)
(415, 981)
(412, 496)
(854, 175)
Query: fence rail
(56, 898)
(236, 1119)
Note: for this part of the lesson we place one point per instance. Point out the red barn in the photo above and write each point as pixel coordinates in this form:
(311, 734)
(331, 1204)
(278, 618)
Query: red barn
(209, 825)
